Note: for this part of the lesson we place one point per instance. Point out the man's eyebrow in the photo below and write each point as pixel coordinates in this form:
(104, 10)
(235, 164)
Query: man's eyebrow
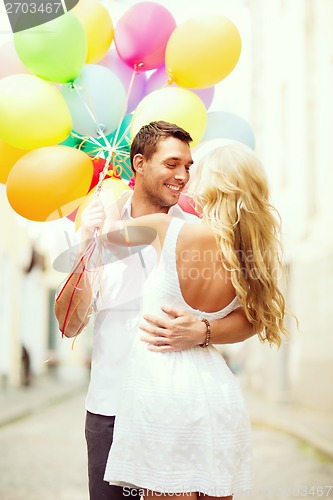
(176, 158)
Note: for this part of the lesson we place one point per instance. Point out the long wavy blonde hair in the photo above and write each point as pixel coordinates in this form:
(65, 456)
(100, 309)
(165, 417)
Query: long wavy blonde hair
(231, 192)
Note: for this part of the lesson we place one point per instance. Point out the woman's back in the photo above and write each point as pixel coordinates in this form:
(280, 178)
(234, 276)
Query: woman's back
(204, 282)
(189, 274)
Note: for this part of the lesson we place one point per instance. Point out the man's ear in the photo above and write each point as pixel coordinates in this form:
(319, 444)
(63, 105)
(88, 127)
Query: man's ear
(138, 162)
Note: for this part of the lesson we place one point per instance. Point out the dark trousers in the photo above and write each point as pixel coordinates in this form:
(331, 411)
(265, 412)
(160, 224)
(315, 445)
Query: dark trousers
(99, 435)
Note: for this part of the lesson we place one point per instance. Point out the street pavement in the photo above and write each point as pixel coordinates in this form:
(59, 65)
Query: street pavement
(43, 454)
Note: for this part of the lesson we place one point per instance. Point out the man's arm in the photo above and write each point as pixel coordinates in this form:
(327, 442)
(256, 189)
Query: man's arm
(183, 330)
(73, 303)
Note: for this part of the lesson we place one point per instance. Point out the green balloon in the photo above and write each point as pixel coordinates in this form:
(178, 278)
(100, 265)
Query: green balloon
(72, 142)
(55, 51)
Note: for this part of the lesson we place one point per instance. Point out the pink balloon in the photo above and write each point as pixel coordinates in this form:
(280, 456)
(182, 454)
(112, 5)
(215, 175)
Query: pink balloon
(10, 63)
(160, 79)
(113, 62)
(142, 33)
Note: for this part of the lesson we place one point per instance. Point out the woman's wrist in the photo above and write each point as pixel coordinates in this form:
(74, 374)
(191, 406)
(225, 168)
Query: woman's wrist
(206, 341)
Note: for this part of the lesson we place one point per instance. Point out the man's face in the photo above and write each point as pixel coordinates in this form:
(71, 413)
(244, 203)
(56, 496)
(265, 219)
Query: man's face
(166, 173)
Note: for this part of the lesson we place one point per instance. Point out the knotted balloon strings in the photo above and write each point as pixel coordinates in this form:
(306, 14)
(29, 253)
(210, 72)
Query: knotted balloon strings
(115, 147)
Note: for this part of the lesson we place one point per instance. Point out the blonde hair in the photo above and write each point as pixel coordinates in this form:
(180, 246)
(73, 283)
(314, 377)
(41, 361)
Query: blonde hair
(231, 191)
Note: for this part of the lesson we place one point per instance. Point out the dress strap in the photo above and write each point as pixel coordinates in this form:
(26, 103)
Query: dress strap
(168, 253)
(172, 233)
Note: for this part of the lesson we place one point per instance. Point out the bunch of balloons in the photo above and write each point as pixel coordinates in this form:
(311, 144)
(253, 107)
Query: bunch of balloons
(75, 90)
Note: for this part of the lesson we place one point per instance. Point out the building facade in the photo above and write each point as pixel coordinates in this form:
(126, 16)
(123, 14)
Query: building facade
(292, 116)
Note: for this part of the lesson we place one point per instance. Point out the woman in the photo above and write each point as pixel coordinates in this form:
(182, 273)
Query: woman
(183, 427)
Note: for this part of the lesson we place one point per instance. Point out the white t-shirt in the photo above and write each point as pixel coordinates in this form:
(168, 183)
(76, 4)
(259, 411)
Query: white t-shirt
(118, 306)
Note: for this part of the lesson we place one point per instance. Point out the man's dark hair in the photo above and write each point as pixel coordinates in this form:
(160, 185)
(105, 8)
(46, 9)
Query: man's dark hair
(149, 136)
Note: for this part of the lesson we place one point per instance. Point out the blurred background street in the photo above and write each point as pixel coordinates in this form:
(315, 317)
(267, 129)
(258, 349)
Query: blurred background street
(45, 455)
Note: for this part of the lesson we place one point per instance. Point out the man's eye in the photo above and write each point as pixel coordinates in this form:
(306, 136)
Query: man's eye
(172, 165)
(188, 169)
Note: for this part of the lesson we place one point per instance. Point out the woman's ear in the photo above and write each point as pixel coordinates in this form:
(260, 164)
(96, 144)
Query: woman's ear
(138, 162)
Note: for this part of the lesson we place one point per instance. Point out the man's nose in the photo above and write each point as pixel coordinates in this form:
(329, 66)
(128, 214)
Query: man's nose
(181, 173)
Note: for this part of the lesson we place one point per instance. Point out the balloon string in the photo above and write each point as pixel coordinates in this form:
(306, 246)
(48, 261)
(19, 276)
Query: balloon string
(100, 132)
(124, 107)
(111, 149)
(89, 251)
(89, 107)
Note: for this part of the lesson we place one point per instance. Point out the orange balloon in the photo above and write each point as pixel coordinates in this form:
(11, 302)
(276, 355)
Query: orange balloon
(48, 183)
(98, 27)
(111, 191)
(8, 157)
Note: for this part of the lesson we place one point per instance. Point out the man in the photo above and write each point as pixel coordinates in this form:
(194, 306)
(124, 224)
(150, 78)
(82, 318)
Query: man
(161, 160)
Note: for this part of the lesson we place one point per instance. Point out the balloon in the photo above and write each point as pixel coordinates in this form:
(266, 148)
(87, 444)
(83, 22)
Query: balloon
(72, 142)
(175, 105)
(33, 113)
(113, 62)
(8, 157)
(47, 183)
(56, 50)
(160, 79)
(202, 52)
(123, 145)
(187, 204)
(96, 99)
(122, 135)
(10, 64)
(142, 33)
(110, 192)
(98, 27)
(203, 149)
(221, 124)
(96, 147)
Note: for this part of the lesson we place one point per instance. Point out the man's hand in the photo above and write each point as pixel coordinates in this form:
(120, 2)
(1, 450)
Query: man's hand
(92, 219)
(181, 331)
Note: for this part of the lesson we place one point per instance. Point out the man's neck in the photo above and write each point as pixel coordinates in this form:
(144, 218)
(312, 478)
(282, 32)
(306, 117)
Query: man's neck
(142, 206)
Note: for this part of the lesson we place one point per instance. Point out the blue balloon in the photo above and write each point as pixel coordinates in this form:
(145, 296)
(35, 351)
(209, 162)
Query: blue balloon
(96, 100)
(225, 125)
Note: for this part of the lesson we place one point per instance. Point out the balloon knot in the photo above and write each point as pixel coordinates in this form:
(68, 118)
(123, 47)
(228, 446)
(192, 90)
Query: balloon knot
(138, 67)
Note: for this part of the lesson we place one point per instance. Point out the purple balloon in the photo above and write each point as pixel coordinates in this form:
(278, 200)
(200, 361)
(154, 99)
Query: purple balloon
(160, 78)
(142, 34)
(206, 95)
(125, 73)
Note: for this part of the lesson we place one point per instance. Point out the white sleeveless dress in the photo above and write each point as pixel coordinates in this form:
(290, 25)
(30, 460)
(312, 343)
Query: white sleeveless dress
(182, 424)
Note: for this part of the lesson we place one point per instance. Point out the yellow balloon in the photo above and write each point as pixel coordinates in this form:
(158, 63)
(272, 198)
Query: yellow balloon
(8, 157)
(174, 105)
(97, 24)
(111, 191)
(48, 183)
(33, 112)
(202, 52)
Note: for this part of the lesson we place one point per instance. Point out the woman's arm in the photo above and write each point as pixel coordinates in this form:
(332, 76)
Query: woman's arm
(182, 330)
(145, 230)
